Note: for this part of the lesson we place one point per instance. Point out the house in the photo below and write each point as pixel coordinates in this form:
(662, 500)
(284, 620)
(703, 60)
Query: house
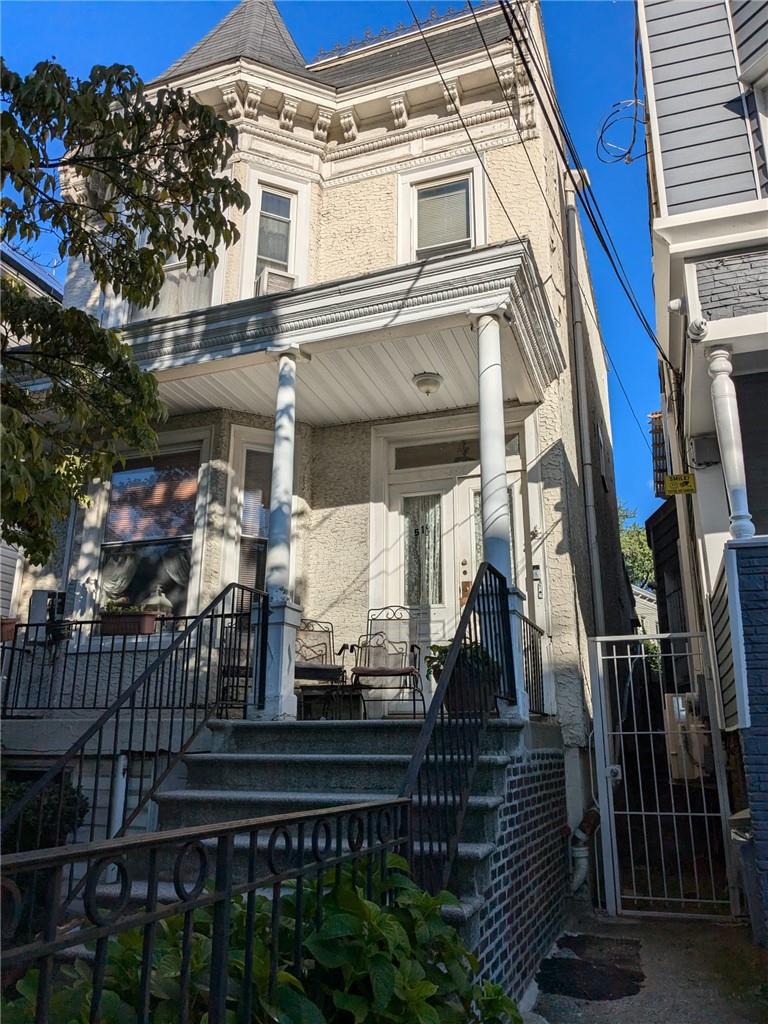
(38, 282)
(706, 78)
(378, 388)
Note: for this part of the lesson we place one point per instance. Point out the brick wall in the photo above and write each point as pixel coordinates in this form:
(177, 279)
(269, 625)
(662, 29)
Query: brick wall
(753, 588)
(734, 284)
(525, 901)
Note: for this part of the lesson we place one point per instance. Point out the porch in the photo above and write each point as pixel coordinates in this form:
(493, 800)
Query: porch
(370, 450)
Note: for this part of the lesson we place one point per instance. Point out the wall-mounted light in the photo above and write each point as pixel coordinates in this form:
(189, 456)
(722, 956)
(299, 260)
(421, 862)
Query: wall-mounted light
(427, 383)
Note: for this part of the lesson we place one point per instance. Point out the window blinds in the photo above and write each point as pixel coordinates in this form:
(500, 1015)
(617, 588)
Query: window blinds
(443, 215)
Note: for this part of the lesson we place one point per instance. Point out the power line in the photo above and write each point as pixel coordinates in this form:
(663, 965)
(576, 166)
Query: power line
(586, 196)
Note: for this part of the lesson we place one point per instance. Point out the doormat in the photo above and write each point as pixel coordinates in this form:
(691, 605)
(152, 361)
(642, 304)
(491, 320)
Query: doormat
(595, 968)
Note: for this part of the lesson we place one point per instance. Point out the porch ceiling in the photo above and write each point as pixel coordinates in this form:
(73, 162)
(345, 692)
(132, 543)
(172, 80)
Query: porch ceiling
(365, 381)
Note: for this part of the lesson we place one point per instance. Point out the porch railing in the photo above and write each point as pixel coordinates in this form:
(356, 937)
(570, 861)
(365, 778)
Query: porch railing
(101, 784)
(478, 670)
(533, 664)
(215, 921)
(73, 665)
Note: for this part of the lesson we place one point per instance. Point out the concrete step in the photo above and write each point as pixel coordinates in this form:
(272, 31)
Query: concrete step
(188, 807)
(378, 736)
(382, 773)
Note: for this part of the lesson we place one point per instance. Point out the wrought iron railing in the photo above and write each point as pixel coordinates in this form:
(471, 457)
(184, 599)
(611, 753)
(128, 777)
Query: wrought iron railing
(103, 782)
(75, 664)
(477, 672)
(533, 664)
(215, 918)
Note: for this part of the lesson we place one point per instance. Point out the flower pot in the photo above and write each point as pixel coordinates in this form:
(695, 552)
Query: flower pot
(128, 624)
(7, 629)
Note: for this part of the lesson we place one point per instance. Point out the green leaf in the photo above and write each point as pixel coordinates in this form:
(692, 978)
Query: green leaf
(358, 1006)
(295, 1008)
(382, 975)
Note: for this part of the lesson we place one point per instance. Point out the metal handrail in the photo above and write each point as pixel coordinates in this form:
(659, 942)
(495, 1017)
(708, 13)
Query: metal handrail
(478, 670)
(533, 663)
(172, 683)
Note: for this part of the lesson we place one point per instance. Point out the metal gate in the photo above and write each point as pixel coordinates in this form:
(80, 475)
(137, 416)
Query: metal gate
(660, 776)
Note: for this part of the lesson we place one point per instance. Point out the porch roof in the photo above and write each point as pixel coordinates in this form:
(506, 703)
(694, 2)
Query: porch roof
(357, 329)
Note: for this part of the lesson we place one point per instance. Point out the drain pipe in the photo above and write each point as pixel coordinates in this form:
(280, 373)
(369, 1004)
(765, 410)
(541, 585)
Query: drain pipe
(580, 847)
(579, 372)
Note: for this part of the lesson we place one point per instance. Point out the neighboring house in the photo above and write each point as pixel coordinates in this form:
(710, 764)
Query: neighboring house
(706, 76)
(646, 609)
(378, 388)
(38, 282)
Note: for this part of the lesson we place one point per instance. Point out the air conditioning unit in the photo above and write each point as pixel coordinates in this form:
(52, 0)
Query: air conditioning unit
(272, 282)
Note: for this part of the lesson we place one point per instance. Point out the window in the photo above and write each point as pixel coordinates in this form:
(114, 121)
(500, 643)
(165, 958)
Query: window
(423, 550)
(274, 241)
(148, 535)
(254, 523)
(443, 217)
(443, 453)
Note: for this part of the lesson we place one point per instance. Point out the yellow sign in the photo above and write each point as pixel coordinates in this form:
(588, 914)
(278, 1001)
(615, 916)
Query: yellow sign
(679, 483)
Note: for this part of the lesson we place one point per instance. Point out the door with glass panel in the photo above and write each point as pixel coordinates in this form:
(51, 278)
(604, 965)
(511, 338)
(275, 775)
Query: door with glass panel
(253, 516)
(469, 530)
(422, 556)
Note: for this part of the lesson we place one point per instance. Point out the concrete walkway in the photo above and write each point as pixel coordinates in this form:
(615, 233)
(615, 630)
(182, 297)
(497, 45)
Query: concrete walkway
(651, 971)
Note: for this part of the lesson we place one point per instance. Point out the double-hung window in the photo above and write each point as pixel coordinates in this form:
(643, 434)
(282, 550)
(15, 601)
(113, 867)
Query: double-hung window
(148, 534)
(254, 522)
(274, 239)
(443, 217)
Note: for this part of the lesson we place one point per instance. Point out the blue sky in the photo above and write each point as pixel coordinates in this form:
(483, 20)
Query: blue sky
(590, 45)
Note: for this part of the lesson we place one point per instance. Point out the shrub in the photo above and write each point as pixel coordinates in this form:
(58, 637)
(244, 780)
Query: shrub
(365, 964)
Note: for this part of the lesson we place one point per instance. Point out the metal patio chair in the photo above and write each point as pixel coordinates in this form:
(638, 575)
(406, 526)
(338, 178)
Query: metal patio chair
(387, 659)
(319, 678)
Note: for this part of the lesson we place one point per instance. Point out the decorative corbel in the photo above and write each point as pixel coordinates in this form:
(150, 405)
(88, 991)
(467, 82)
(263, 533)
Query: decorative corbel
(322, 123)
(252, 101)
(288, 112)
(452, 96)
(350, 125)
(399, 106)
(508, 80)
(233, 101)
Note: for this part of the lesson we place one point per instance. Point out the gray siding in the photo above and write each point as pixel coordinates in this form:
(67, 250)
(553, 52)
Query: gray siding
(706, 158)
(721, 631)
(733, 284)
(757, 142)
(750, 27)
(751, 395)
(753, 589)
(8, 559)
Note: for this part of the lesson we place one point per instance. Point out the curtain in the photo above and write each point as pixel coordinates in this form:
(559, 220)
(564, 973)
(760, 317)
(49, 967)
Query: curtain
(423, 550)
(116, 573)
(177, 562)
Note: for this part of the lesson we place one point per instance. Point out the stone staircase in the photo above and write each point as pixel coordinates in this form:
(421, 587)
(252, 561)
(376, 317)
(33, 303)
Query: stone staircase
(256, 769)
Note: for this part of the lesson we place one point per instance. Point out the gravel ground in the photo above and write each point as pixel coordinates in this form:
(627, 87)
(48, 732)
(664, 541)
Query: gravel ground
(675, 972)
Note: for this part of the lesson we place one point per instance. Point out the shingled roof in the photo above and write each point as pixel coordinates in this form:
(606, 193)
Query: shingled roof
(254, 30)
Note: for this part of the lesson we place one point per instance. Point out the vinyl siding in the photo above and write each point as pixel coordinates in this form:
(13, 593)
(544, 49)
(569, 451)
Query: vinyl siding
(706, 158)
(8, 558)
(750, 27)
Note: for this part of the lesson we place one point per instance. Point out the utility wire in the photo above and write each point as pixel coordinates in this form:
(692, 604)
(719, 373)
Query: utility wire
(587, 197)
(586, 303)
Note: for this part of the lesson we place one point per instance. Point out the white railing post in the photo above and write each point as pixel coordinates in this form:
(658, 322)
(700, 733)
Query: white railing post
(729, 440)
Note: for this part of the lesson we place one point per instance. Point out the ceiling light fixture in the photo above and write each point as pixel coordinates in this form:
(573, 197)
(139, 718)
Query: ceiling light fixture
(427, 382)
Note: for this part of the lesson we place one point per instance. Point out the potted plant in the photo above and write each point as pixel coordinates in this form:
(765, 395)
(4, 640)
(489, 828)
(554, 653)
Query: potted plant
(7, 629)
(474, 669)
(126, 620)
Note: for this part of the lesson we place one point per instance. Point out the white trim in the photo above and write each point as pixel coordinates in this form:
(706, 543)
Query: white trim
(730, 560)
(650, 100)
(296, 188)
(448, 170)
(241, 439)
(87, 572)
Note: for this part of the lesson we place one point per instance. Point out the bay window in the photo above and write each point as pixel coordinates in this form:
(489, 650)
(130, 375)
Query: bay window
(149, 526)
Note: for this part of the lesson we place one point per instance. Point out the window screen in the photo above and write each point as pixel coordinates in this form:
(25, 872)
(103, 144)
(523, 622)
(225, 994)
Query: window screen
(254, 526)
(274, 231)
(148, 534)
(443, 217)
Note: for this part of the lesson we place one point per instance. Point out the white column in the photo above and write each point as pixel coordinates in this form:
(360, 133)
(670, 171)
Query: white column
(493, 451)
(284, 614)
(729, 439)
(281, 497)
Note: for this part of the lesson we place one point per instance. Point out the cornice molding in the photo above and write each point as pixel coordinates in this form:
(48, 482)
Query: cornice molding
(498, 275)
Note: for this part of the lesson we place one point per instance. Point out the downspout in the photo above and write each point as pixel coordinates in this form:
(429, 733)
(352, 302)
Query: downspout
(582, 411)
(580, 842)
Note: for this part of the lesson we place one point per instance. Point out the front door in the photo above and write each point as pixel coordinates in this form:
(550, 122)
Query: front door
(436, 546)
